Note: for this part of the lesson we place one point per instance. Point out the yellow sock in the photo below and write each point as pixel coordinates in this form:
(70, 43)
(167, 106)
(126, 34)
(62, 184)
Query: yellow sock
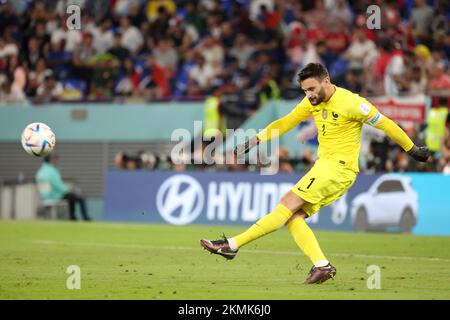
(305, 239)
(267, 224)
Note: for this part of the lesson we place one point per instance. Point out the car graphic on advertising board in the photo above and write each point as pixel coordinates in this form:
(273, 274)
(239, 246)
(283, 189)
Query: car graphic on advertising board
(390, 202)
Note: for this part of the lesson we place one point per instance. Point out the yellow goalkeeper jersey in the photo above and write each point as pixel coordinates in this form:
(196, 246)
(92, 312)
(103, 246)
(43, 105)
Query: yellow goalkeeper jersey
(339, 122)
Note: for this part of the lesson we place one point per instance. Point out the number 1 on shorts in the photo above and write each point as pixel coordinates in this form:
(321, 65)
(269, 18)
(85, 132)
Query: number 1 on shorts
(309, 185)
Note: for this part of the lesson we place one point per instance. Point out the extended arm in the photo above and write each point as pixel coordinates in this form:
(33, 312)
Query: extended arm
(276, 128)
(273, 130)
(401, 138)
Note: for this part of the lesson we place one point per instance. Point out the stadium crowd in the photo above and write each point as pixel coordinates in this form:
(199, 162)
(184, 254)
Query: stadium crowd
(166, 49)
(242, 52)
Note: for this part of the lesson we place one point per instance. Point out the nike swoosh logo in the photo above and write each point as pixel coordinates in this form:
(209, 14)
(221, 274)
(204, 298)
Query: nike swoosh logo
(225, 253)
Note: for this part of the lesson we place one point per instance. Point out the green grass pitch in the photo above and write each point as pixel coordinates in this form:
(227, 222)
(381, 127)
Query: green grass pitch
(131, 261)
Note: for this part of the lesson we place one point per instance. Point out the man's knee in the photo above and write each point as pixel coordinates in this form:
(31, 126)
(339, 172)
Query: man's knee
(292, 201)
(299, 214)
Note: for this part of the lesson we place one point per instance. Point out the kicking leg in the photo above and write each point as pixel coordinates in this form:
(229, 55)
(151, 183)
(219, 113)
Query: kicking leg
(273, 221)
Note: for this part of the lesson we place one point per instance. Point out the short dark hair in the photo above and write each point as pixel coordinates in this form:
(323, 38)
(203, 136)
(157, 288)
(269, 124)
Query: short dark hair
(50, 157)
(313, 70)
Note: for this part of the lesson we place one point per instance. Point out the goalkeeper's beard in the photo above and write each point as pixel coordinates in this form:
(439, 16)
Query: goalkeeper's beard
(320, 97)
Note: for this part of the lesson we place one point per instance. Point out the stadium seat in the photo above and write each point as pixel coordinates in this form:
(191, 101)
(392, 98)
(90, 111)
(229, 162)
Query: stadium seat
(50, 209)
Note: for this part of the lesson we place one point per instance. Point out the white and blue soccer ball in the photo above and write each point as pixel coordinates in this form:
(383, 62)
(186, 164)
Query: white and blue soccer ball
(38, 139)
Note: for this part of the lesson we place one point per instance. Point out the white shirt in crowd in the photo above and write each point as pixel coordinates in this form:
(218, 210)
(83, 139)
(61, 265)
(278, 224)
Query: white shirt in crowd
(202, 75)
(56, 92)
(395, 67)
(9, 49)
(132, 39)
(72, 38)
(358, 52)
(15, 97)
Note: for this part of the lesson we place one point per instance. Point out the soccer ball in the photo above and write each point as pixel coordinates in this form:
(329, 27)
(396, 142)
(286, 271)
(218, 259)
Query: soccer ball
(38, 139)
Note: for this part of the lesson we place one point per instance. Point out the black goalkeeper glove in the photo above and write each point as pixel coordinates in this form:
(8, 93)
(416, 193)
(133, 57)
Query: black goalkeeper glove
(245, 147)
(419, 153)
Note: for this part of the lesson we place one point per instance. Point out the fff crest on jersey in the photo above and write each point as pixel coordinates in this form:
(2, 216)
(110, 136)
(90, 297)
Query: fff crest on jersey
(324, 113)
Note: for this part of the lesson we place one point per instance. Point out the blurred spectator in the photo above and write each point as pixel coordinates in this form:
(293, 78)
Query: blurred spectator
(359, 50)
(394, 79)
(352, 81)
(318, 15)
(118, 50)
(227, 36)
(212, 122)
(212, 52)
(132, 38)
(50, 90)
(250, 95)
(166, 57)
(319, 53)
(71, 38)
(341, 12)
(41, 36)
(49, 177)
(424, 58)
(7, 49)
(183, 77)
(59, 60)
(7, 16)
(159, 9)
(155, 85)
(270, 17)
(119, 160)
(32, 54)
(242, 50)
(284, 161)
(439, 80)
(439, 56)
(415, 81)
(421, 18)
(436, 125)
(11, 94)
(308, 157)
(231, 106)
(268, 89)
(98, 8)
(439, 25)
(128, 82)
(202, 74)
(84, 59)
(37, 76)
(136, 14)
(338, 37)
(379, 65)
(14, 68)
(148, 160)
(160, 20)
(104, 37)
(124, 161)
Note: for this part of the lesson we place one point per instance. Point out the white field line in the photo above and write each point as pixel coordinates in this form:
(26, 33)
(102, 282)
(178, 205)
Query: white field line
(289, 253)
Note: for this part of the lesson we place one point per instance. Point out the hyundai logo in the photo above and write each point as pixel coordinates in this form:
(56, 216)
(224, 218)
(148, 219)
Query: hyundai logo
(180, 199)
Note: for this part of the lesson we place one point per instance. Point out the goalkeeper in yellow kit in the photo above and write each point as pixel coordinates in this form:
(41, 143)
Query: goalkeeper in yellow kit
(339, 116)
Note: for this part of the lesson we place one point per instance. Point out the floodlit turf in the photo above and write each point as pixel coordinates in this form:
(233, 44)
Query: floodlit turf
(128, 261)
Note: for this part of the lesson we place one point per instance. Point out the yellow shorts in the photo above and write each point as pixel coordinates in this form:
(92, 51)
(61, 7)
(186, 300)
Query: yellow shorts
(323, 184)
